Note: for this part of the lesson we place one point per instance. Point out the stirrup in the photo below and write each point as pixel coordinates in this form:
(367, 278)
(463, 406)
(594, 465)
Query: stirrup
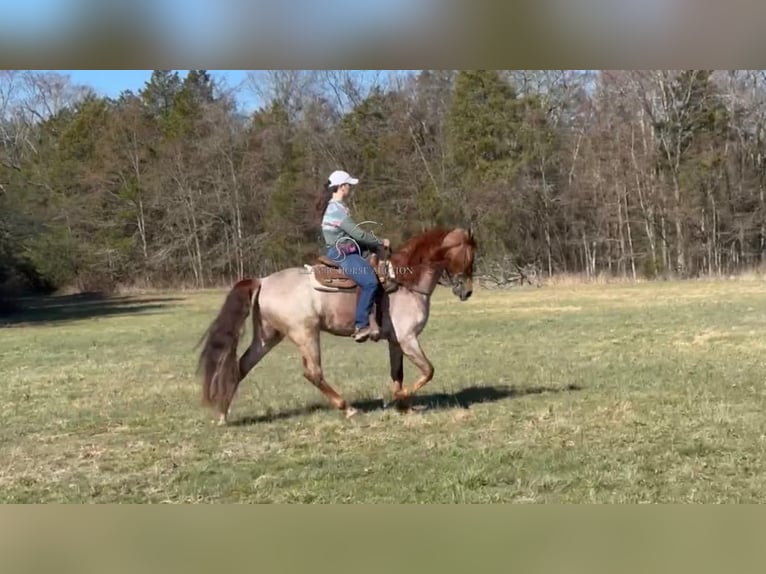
(360, 336)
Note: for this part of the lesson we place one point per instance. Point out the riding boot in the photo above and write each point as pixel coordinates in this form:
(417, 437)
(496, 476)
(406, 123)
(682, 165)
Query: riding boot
(361, 334)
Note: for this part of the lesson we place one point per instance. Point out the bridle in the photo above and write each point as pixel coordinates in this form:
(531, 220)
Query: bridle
(457, 281)
(446, 279)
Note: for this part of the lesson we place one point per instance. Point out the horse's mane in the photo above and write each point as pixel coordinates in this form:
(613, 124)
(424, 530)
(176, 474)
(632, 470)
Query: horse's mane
(421, 248)
(420, 251)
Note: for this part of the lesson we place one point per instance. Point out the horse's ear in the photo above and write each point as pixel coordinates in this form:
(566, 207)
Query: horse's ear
(470, 232)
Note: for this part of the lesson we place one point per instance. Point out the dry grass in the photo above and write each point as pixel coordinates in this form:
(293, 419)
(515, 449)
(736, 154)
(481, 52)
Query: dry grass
(649, 392)
(569, 279)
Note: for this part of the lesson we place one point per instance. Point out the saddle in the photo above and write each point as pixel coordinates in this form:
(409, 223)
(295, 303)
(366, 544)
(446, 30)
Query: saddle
(326, 275)
(329, 276)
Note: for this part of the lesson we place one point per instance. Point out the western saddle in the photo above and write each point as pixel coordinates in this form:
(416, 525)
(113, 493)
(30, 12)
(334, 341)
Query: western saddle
(329, 276)
(326, 275)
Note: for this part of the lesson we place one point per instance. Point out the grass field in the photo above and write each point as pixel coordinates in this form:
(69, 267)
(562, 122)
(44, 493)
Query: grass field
(608, 393)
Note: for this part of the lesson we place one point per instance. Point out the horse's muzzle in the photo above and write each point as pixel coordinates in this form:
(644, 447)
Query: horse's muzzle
(461, 291)
(462, 287)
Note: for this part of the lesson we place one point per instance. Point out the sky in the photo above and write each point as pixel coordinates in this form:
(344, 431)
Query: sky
(111, 82)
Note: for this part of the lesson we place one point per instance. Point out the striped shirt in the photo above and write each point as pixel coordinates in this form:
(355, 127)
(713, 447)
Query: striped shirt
(338, 228)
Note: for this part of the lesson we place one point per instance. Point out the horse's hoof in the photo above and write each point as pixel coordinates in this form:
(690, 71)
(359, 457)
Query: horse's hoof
(350, 412)
(403, 407)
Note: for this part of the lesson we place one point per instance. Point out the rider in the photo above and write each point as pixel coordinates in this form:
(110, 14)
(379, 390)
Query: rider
(344, 243)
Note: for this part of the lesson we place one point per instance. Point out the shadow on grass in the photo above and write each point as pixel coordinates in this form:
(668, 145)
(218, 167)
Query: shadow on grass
(462, 399)
(62, 308)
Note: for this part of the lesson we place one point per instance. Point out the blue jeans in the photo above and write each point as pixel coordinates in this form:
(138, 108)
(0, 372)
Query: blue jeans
(362, 273)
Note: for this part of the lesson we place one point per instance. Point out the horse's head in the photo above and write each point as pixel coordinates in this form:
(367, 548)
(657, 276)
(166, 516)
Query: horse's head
(459, 250)
(443, 255)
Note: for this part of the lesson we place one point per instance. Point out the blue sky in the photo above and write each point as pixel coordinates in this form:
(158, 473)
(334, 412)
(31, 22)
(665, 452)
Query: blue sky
(197, 31)
(112, 82)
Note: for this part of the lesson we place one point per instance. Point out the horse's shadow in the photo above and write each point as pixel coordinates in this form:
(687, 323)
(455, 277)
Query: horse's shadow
(462, 399)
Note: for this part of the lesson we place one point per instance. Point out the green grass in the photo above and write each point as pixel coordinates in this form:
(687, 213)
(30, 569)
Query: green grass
(610, 393)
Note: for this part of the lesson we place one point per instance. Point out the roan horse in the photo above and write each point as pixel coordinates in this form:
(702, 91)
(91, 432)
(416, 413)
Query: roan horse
(289, 303)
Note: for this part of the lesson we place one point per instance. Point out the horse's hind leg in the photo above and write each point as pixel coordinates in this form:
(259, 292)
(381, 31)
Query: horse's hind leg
(264, 340)
(308, 343)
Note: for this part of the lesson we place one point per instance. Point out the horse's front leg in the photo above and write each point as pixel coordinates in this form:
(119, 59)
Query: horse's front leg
(396, 360)
(410, 347)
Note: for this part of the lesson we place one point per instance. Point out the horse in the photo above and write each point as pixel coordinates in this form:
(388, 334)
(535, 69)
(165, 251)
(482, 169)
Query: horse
(291, 304)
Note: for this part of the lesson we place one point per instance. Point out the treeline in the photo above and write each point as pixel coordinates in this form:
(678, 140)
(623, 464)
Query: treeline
(636, 173)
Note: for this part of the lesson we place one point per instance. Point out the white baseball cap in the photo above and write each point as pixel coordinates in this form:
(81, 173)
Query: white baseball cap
(339, 177)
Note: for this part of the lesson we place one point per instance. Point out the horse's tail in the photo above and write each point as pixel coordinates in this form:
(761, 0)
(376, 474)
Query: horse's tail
(218, 358)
